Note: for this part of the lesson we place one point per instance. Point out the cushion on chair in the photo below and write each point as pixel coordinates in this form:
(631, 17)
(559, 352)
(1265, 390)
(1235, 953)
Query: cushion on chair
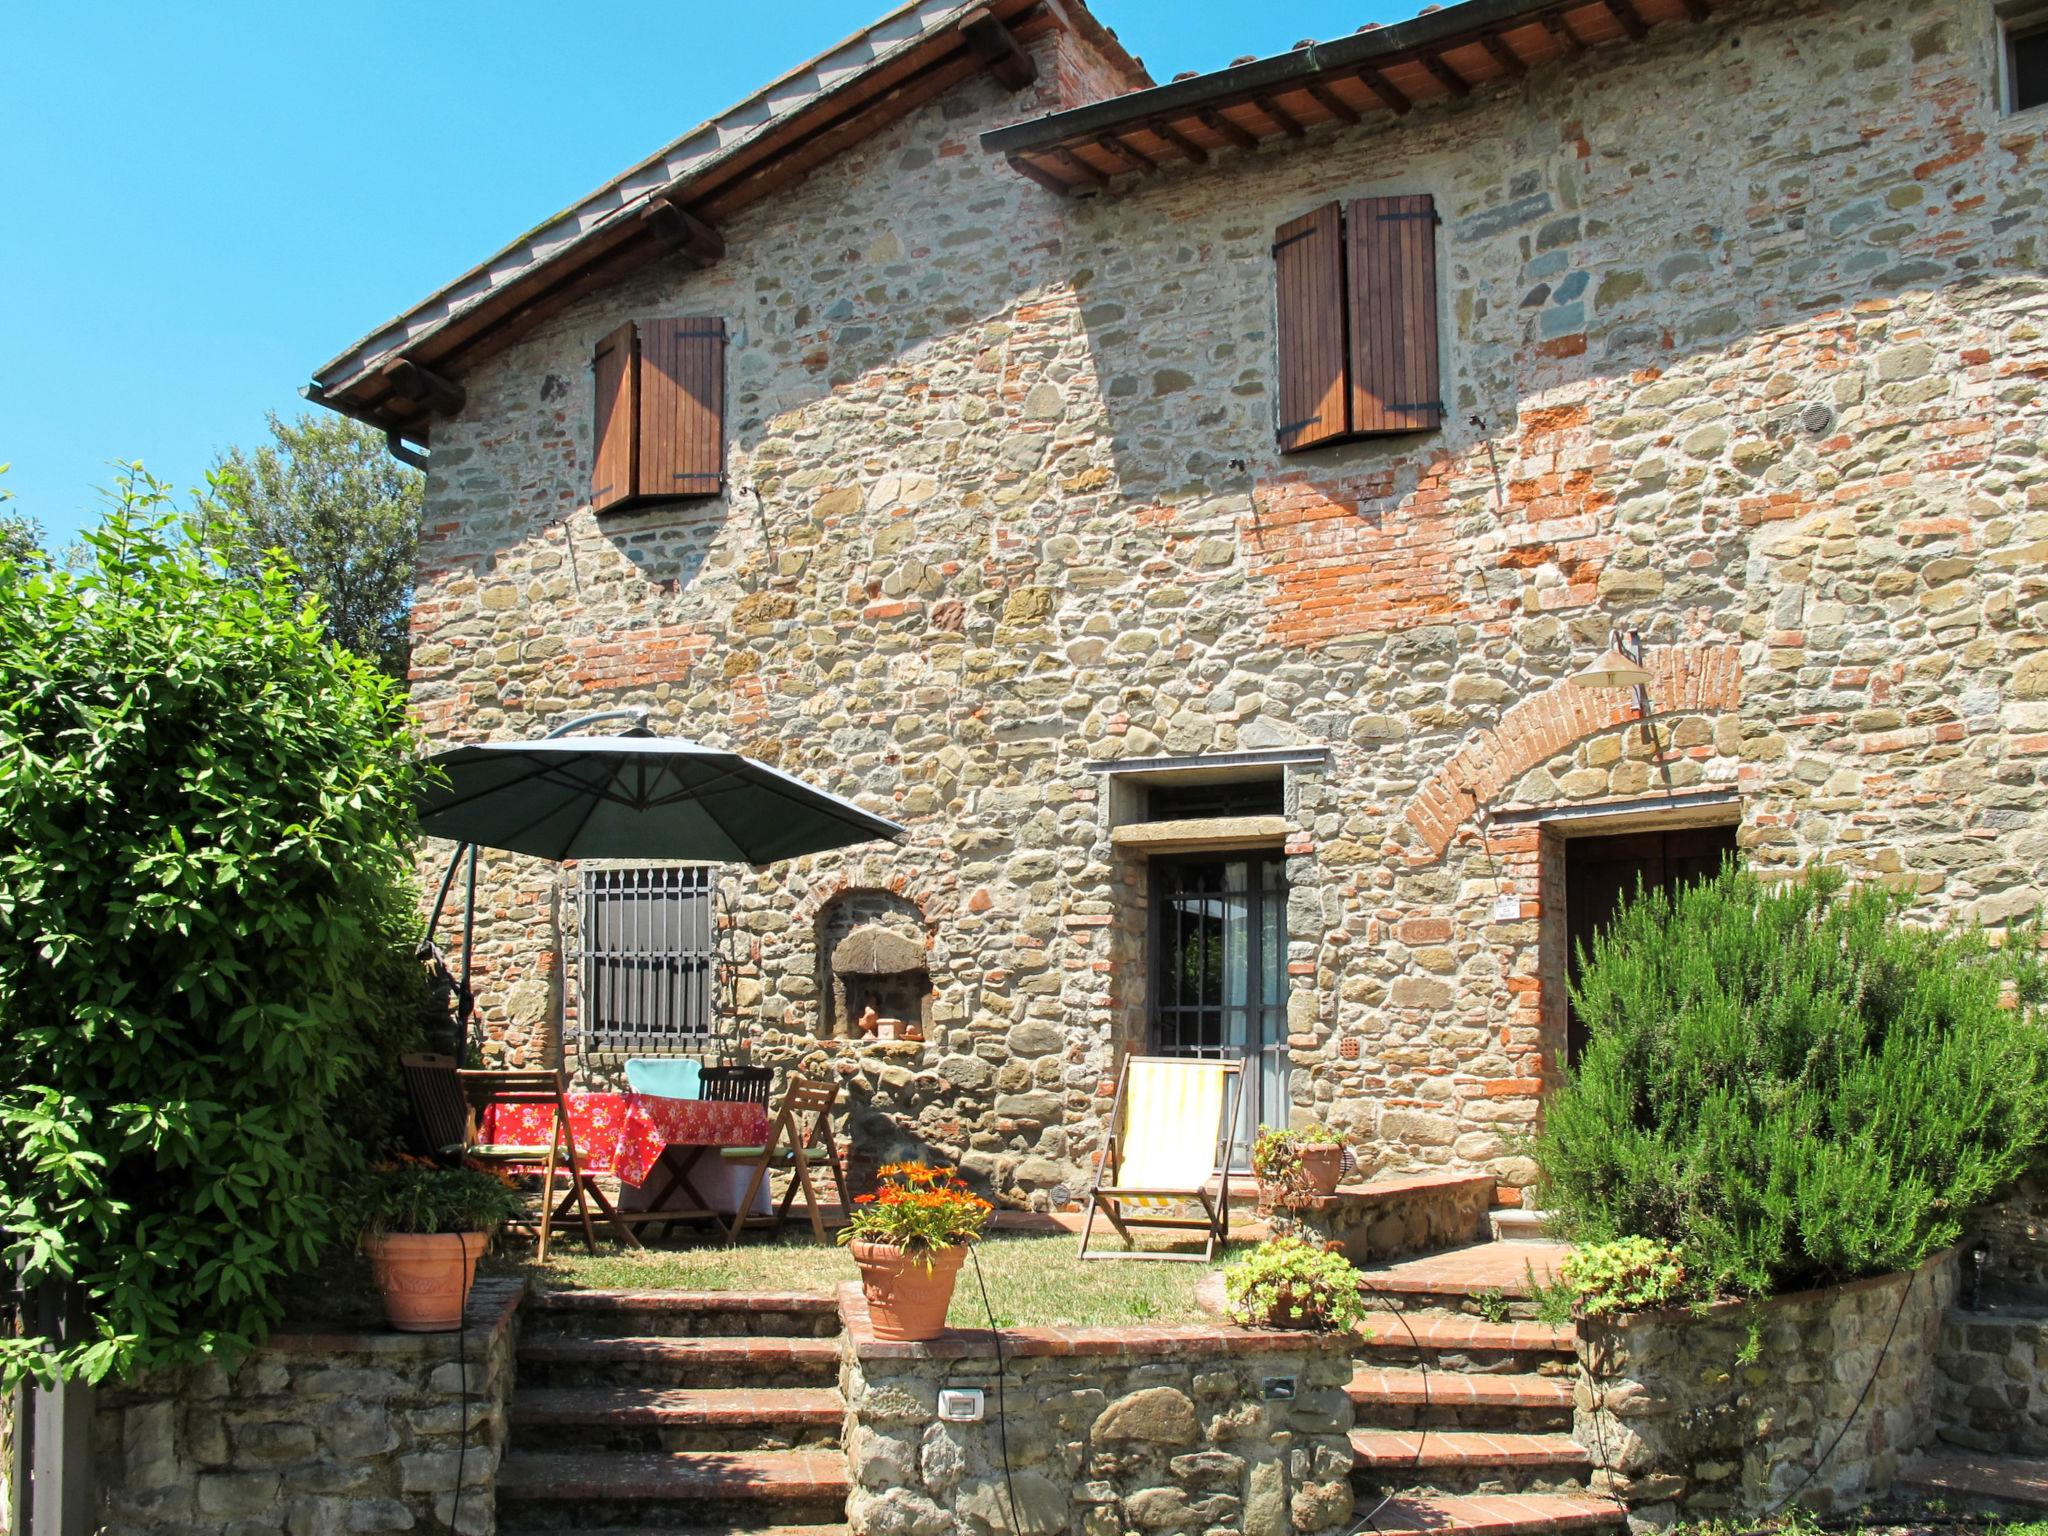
(665, 1077)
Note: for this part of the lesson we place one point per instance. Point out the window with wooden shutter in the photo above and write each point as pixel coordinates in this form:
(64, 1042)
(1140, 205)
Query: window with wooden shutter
(611, 467)
(659, 425)
(1308, 267)
(1357, 323)
(682, 407)
(1391, 248)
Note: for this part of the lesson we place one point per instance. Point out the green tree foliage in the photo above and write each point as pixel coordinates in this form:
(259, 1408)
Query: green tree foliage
(1791, 1084)
(21, 537)
(204, 909)
(346, 516)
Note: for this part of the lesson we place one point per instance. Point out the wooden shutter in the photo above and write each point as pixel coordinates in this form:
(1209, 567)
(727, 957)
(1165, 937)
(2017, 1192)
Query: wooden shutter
(1391, 244)
(612, 438)
(1308, 271)
(682, 407)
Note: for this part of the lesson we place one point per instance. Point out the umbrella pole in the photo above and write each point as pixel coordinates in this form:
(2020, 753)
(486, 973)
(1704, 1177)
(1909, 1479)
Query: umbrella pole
(465, 999)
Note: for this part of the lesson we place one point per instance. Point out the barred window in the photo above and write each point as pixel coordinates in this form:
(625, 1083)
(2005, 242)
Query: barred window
(650, 959)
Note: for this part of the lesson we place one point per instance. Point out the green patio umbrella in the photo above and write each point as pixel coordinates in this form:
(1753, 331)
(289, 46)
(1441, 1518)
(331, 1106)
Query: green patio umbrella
(634, 797)
(631, 796)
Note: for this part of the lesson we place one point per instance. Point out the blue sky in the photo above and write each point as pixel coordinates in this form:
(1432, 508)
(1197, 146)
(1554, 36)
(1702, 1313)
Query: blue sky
(204, 201)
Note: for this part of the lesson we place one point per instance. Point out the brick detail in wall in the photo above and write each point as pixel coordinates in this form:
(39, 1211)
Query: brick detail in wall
(1686, 679)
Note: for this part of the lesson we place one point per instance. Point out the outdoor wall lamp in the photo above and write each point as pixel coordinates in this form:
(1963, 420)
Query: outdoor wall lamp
(1620, 667)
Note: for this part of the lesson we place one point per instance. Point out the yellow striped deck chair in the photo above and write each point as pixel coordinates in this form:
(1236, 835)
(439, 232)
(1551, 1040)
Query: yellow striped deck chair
(1172, 1117)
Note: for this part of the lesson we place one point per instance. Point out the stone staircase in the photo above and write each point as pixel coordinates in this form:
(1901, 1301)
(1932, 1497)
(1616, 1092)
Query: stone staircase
(644, 1411)
(1464, 1419)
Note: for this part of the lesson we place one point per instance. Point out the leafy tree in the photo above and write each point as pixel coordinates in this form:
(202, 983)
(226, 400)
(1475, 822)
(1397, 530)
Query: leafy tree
(204, 903)
(345, 514)
(1792, 1085)
(20, 536)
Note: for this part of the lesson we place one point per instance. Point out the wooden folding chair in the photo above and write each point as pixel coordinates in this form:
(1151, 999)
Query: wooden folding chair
(440, 1120)
(793, 1145)
(737, 1085)
(1171, 1127)
(483, 1089)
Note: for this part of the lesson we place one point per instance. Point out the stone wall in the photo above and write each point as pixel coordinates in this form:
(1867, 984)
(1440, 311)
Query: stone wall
(1682, 1424)
(1742, 347)
(2017, 1230)
(1993, 1389)
(1391, 1218)
(316, 1435)
(1109, 1430)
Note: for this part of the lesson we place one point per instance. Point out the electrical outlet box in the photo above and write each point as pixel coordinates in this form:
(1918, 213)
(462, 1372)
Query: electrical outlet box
(960, 1405)
(1277, 1389)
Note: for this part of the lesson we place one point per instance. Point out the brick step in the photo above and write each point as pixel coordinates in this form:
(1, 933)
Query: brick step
(649, 1314)
(570, 1360)
(1980, 1483)
(1452, 1342)
(1467, 1461)
(656, 1491)
(1483, 1514)
(677, 1418)
(1399, 1398)
(1477, 1280)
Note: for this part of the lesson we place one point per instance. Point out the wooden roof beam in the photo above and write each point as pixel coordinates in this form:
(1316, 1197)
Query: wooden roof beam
(1235, 133)
(415, 390)
(1504, 55)
(1285, 120)
(1068, 161)
(1395, 99)
(1332, 103)
(1554, 22)
(1631, 19)
(998, 47)
(1446, 76)
(1041, 175)
(1137, 159)
(682, 231)
(1180, 141)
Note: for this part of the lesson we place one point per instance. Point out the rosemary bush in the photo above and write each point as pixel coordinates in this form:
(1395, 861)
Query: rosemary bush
(1792, 1085)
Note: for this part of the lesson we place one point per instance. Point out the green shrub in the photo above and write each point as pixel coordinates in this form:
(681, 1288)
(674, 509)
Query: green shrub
(204, 814)
(1289, 1282)
(1624, 1276)
(417, 1195)
(1793, 1085)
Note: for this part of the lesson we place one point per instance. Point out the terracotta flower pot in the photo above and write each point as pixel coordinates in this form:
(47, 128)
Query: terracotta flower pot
(425, 1277)
(1321, 1168)
(906, 1300)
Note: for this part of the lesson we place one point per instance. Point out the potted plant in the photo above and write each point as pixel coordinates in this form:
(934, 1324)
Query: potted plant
(908, 1237)
(424, 1226)
(1289, 1282)
(1292, 1166)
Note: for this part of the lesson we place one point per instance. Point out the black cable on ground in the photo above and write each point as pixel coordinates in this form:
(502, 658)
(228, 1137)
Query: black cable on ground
(1002, 1416)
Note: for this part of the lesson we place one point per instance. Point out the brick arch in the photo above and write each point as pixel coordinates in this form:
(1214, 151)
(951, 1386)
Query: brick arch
(933, 899)
(1684, 679)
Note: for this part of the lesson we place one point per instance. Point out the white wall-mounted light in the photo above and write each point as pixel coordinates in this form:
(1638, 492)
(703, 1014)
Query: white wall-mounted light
(1620, 666)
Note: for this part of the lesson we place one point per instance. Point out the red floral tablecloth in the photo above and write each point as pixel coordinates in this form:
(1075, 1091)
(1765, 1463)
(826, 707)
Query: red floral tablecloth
(625, 1133)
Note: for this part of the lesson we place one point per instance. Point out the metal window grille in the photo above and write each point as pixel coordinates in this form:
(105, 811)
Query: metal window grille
(649, 960)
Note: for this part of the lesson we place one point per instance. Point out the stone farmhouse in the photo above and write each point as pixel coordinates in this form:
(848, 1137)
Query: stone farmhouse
(1198, 512)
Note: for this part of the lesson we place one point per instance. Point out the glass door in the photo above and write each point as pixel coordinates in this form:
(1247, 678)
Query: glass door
(1219, 975)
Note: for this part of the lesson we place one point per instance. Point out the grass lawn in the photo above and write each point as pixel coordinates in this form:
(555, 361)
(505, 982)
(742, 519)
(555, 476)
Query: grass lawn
(1033, 1281)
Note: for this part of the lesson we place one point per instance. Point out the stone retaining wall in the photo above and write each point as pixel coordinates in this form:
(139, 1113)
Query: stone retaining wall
(316, 1435)
(1108, 1430)
(1992, 1391)
(2017, 1231)
(1679, 1426)
(1391, 1218)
